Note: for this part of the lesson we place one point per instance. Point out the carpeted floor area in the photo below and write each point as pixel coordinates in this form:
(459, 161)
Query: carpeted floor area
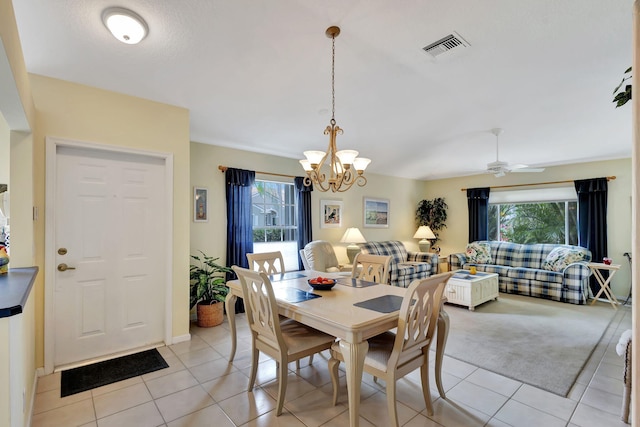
(539, 342)
(110, 371)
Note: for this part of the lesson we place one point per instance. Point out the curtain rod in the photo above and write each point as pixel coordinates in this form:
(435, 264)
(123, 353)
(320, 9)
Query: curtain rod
(609, 178)
(224, 169)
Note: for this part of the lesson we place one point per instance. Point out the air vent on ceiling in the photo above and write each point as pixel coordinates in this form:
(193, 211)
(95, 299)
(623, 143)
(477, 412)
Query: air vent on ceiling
(448, 44)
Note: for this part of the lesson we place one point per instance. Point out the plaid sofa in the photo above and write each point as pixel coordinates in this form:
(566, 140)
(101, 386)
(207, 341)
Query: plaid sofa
(405, 266)
(520, 271)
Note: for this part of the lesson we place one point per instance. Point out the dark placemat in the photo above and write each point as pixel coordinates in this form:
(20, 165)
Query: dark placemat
(110, 371)
(383, 304)
(354, 283)
(294, 294)
(286, 276)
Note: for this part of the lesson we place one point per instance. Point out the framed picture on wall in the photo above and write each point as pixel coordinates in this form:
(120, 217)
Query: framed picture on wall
(200, 204)
(330, 213)
(376, 213)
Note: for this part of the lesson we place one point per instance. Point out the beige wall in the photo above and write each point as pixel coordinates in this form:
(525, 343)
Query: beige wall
(83, 113)
(210, 237)
(404, 196)
(17, 169)
(455, 236)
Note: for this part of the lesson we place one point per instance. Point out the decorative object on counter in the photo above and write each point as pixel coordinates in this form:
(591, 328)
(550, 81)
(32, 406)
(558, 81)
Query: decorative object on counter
(424, 233)
(345, 168)
(208, 289)
(352, 236)
(432, 213)
(4, 261)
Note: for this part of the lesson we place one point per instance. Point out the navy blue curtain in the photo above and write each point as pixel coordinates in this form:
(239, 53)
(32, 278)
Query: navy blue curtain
(478, 203)
(239, 227)
(592, 221)
(303, 199)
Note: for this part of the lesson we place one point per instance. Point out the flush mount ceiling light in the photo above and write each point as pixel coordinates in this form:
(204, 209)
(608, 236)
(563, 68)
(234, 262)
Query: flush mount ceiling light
(345, 169)
(125, 25)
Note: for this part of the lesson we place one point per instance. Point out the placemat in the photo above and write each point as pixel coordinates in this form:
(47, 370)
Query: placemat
(383, 304)
(294, 294)
(354, 283)
(286, 276)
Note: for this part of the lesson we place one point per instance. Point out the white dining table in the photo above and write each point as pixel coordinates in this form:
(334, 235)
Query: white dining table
(335, 313)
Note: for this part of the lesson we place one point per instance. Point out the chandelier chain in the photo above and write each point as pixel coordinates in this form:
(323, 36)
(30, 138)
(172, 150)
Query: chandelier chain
(333, 79)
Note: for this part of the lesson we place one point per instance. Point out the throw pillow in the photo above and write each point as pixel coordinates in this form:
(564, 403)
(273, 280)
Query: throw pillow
(478, 253)
(559, 258)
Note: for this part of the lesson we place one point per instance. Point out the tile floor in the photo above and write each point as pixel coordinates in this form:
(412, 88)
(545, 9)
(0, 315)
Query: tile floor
(201, 389)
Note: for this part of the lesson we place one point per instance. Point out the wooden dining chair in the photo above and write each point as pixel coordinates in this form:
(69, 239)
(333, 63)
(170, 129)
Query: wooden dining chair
(391, 356)
(268, 262)
(284, 340)
(372, 268)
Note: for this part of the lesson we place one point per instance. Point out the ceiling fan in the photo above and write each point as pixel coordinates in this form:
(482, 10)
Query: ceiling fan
(499, 168)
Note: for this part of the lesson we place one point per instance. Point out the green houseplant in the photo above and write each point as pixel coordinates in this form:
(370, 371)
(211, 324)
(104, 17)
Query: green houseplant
(208, 289)
(434, 214)
(623, 96)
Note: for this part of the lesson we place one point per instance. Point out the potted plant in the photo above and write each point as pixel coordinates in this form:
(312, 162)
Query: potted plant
(434, 214)
(208, 289)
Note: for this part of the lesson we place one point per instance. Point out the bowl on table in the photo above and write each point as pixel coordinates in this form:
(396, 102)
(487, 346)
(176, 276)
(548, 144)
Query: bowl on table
(321, 283)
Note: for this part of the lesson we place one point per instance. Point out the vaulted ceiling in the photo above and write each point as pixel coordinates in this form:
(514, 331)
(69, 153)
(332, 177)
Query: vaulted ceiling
(255, 75)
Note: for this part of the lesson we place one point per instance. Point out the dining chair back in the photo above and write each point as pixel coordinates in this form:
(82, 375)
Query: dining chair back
(372, 268)
(267, 262)
(284, 340)
(391, 356)
(305, 261)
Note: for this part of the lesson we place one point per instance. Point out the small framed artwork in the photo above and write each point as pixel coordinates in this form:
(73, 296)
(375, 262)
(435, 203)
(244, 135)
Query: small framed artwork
(376, 213)
(200, 204)
(330, 213)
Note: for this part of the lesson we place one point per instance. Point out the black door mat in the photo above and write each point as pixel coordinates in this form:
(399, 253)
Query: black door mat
(85, 378)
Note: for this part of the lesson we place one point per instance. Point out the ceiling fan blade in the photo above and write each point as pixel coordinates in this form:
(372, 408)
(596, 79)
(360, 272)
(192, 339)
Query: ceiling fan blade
(527, 169)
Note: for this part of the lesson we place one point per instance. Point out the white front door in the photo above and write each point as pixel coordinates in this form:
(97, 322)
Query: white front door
(110, 231)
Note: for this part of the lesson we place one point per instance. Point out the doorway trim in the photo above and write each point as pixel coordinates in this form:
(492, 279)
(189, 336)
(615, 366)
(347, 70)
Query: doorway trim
(52, 144)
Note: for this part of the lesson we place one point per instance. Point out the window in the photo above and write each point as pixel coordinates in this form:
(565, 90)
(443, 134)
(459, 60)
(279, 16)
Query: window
(274, 220)
(534, 216)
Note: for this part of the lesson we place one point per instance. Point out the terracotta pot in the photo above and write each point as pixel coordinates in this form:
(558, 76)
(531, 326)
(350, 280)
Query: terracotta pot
(209, 314)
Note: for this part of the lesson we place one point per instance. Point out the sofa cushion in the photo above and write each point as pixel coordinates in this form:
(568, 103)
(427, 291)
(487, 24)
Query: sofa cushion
(560, 257)
(478, 253)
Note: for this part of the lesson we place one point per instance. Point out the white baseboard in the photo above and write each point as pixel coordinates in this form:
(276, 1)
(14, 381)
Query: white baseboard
(39, 372)
(181, 338)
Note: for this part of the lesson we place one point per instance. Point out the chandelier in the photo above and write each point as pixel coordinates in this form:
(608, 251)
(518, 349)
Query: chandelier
(345, 168)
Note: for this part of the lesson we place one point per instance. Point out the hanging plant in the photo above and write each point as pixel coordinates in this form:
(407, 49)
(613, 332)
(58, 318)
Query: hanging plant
(432, 213)
(624, 96)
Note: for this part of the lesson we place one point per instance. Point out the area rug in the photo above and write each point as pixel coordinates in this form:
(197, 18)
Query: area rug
(106, 372)
(535, 341)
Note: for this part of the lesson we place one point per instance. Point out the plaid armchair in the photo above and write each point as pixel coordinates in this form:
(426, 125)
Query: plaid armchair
(406, 266)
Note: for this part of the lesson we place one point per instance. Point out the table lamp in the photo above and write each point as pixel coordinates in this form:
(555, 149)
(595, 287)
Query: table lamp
(424, 233)
(352, 236)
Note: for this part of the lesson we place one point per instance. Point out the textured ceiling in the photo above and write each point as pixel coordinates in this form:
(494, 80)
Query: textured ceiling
(255, 75)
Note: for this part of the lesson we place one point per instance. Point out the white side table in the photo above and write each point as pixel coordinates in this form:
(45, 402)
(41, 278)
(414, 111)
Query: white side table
(597, 268)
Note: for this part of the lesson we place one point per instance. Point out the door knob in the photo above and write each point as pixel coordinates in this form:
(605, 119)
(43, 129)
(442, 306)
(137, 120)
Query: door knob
(64, 267)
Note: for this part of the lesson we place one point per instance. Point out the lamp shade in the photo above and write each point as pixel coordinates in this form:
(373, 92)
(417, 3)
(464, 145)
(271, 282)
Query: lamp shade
(353, 235)
(424, 232)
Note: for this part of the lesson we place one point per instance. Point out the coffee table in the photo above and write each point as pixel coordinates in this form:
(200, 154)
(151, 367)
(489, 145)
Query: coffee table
(471, 290)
